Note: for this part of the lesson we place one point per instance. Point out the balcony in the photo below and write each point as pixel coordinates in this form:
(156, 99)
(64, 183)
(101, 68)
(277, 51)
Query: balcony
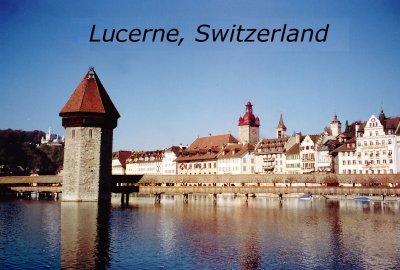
(270, 159)
(268, 168)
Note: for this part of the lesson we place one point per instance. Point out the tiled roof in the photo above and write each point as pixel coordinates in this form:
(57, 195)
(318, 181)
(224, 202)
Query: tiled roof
(314, 138)
(344, 147)
(281, 124)
(90, 96)
(295, 149)
(186, 156)
(176, 149)
(146, 156)
(271, 146)
(122, 156)
(392, 123)
(234, 150)
(209, 142)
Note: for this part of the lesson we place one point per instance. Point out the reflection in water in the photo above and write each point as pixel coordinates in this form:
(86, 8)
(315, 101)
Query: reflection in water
(262, 233)
(85, 235)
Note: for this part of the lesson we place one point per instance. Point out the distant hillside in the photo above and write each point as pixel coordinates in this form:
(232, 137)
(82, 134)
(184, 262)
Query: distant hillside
(19, 154)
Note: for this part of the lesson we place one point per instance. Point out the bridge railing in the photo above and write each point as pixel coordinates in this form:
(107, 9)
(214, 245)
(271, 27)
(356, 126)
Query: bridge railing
(271, 190)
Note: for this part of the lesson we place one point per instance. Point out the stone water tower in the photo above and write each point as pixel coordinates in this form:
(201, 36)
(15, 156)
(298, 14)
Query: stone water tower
(89, 118)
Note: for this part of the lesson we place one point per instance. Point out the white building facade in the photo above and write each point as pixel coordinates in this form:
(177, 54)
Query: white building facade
(378, 148)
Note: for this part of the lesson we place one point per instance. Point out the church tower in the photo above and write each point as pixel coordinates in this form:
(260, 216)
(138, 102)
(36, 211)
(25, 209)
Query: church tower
(249, 126)
(89, 118)
(336, 126)
(281, 129)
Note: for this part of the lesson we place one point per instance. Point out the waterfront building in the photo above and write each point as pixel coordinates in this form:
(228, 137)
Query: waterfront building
(89, 117)
(346, 152)
(249, 126)
(145, 162)
(292, 155)
(324, 160)
(307, 153)
(119, 162)
(270, 155)
(236, 158)
(169, 164)
(201, 156)
(347, 158)
(300, 156)
(378, 144)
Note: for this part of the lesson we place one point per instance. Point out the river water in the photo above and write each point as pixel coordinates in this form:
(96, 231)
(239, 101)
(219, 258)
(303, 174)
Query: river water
(261, 233)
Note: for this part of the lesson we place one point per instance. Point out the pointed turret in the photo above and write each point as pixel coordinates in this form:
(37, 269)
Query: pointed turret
(281, 124)
(281, 128)
(382, 117)
(89, 105)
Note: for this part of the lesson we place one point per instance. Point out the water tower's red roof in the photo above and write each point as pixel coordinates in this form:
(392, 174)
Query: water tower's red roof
(90, 96)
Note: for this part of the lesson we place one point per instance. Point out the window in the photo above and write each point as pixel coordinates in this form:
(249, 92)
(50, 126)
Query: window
(376, 133)
(73, 134)
(377, 142)
(371, 143)
(365, 143)
(90, 133)
(389, 141)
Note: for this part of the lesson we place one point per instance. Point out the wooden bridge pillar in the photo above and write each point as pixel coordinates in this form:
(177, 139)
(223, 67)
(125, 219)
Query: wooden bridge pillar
(124, 198)
(158, 197)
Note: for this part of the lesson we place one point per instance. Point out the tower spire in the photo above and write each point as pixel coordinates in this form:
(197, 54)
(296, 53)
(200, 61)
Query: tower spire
(281, 128)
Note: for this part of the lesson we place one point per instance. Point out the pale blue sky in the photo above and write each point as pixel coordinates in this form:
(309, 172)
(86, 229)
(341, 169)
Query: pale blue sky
(169, 95)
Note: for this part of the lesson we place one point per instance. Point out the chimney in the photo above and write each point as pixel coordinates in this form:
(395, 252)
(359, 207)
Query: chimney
(298, 135)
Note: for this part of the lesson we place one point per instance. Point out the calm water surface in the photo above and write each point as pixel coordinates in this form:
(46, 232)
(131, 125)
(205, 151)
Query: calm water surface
(231, 234)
